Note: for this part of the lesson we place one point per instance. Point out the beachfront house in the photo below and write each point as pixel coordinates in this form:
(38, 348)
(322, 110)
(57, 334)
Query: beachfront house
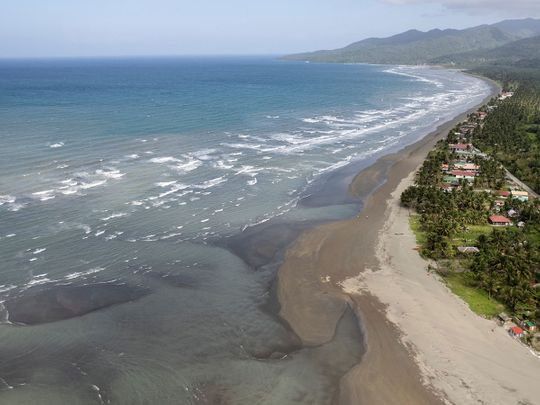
(516, 331)
(466, 166)
(529, 326)
(460, 147)
(463, 174)
(503, 318)
(520, 195)
(499, 220)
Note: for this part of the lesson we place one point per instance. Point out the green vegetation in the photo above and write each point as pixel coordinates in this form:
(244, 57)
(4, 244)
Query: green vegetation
(445, 217)
(520, 52)
(437, 46)
(416, 226)
(507, 268)
(479, 301)
(452, 204)
(511, 134)
(505, 273)
(470, 235)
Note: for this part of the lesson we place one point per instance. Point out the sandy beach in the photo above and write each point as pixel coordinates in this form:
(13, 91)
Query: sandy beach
(422, 344)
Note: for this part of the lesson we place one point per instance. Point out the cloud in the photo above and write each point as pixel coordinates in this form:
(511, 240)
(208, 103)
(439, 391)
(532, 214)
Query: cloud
(513, 7)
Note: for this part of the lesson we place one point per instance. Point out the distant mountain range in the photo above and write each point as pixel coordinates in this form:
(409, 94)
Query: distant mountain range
(509, 41)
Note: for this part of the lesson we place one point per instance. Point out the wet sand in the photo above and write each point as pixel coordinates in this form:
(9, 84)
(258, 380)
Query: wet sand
(312, 298)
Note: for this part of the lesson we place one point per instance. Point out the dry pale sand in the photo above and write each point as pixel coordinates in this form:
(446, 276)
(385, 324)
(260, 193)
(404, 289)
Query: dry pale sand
(468, 358)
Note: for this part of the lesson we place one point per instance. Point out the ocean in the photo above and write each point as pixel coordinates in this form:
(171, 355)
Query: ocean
(125, 185)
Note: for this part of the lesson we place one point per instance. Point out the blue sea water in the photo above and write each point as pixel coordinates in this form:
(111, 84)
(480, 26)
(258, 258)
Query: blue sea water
(126, 171)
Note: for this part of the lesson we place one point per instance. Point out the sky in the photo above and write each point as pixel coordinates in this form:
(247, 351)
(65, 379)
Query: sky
(71, 28)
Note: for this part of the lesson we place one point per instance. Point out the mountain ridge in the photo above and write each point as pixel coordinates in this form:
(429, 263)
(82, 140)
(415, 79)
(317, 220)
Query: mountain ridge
(419, 47)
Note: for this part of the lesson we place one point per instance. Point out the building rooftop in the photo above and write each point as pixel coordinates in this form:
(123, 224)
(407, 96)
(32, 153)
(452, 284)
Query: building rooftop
(499, 219)
(516, 330)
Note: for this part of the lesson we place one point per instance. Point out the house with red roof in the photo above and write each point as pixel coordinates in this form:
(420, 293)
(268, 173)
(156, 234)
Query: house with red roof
(499, 220)
(470, 167)
(516, 331)
(463, 174)
(503, 193)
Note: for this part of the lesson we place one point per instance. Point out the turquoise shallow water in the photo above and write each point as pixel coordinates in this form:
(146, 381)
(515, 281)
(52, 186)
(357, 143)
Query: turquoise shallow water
(126, 172)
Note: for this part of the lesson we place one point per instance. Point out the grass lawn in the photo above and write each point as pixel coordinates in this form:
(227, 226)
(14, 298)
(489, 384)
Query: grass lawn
(477, 300)
(414, 223)
(469, 237)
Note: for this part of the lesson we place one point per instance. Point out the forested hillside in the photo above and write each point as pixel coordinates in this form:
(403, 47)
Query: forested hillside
(417, 47)
(511, 133)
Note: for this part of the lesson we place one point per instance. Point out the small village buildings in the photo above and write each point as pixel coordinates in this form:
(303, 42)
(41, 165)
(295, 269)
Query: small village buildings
(463, 174)
(529, 326)
(506, 94)
(503, 193)
(481, 115)
(468, 249)
(466, 166)
(460, 147)
(520, 195)
(447, 188)
(499, 203)
(503, 318)
(499, 220)
(516, 331)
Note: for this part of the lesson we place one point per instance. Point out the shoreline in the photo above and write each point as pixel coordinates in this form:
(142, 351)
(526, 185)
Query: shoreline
(313, 297)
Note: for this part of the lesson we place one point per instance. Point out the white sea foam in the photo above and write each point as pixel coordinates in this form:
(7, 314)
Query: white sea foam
(7, 287)
(220, 164)
(7, 199)
(110, 173)
(188, 166)
(38, 280)
(211, 183)
(56, 145)
(115, 215)
(165, 183)
(45, 195)
(73, 276)
(166, 159)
